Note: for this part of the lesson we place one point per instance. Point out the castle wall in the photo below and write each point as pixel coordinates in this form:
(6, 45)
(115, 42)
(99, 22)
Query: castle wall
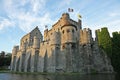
(25, 41)
(14, 54)
(55, 38)
(65, 48)
(27, 61)
(21, 60)
(43, 56)
(85, 36)
(47, 57)
(34, 60)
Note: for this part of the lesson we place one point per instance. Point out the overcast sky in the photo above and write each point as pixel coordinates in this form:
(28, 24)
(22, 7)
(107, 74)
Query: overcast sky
(18, 17)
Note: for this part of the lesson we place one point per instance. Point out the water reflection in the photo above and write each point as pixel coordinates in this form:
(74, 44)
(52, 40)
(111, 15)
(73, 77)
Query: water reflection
(9, 76)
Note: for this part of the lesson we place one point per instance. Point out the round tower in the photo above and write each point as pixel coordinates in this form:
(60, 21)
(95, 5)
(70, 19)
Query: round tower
(68, 40)
(68, 34)
(36, 43)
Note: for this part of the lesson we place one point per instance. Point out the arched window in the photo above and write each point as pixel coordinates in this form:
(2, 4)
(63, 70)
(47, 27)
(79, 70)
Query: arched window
(31, 39)
(63, 31)
(73, 30)
(68, 30)
(73, 46)
(63, 47)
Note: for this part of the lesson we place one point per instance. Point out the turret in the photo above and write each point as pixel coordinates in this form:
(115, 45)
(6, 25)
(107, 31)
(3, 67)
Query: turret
(36, 43)
(65, 19)
(68, 34)
(65, 16)
(45, 34)
(15, 50)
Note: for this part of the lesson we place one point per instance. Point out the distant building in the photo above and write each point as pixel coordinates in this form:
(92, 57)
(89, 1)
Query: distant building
(66, 48)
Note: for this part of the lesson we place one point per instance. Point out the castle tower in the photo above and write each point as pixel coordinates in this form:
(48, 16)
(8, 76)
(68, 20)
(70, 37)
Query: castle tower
(64, 19)
(55, 51)
(68, 34)
(85, 44)
(85, 36)
(68, 41)
(36, 43)
(55, 38)
(14, 54)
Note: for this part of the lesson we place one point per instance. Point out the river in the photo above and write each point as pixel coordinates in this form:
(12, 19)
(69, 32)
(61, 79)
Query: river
(10, 76)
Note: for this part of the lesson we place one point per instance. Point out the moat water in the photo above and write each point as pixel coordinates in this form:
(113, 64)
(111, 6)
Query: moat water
(10, 76)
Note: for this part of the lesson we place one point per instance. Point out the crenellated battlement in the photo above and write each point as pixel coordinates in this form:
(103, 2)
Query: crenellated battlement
(65, 19)
(86, 36)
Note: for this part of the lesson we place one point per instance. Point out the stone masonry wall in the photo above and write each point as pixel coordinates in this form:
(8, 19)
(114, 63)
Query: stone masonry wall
(65, 48)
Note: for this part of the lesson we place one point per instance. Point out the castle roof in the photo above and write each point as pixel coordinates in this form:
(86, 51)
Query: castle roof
(69, 24)
(36, 28)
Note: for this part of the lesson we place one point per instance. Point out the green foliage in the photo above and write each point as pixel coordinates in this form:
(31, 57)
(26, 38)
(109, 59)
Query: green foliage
(111, 46)
(93, 71)
(98, 35)
(5, 61)
(104, 41)
(116, 51)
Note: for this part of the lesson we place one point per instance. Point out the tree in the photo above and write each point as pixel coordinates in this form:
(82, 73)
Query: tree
(5, 60)
(116, 51)
(104, 41)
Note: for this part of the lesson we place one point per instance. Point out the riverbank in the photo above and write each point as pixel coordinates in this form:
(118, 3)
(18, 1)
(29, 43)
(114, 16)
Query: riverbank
(45, 73)
(49, 76)
(5, 71)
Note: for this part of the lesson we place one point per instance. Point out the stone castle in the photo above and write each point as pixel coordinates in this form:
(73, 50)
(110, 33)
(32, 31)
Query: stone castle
(66, 47)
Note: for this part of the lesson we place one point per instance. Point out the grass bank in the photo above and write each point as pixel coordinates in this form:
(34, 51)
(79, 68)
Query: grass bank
(4, 71)
(45, 73)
